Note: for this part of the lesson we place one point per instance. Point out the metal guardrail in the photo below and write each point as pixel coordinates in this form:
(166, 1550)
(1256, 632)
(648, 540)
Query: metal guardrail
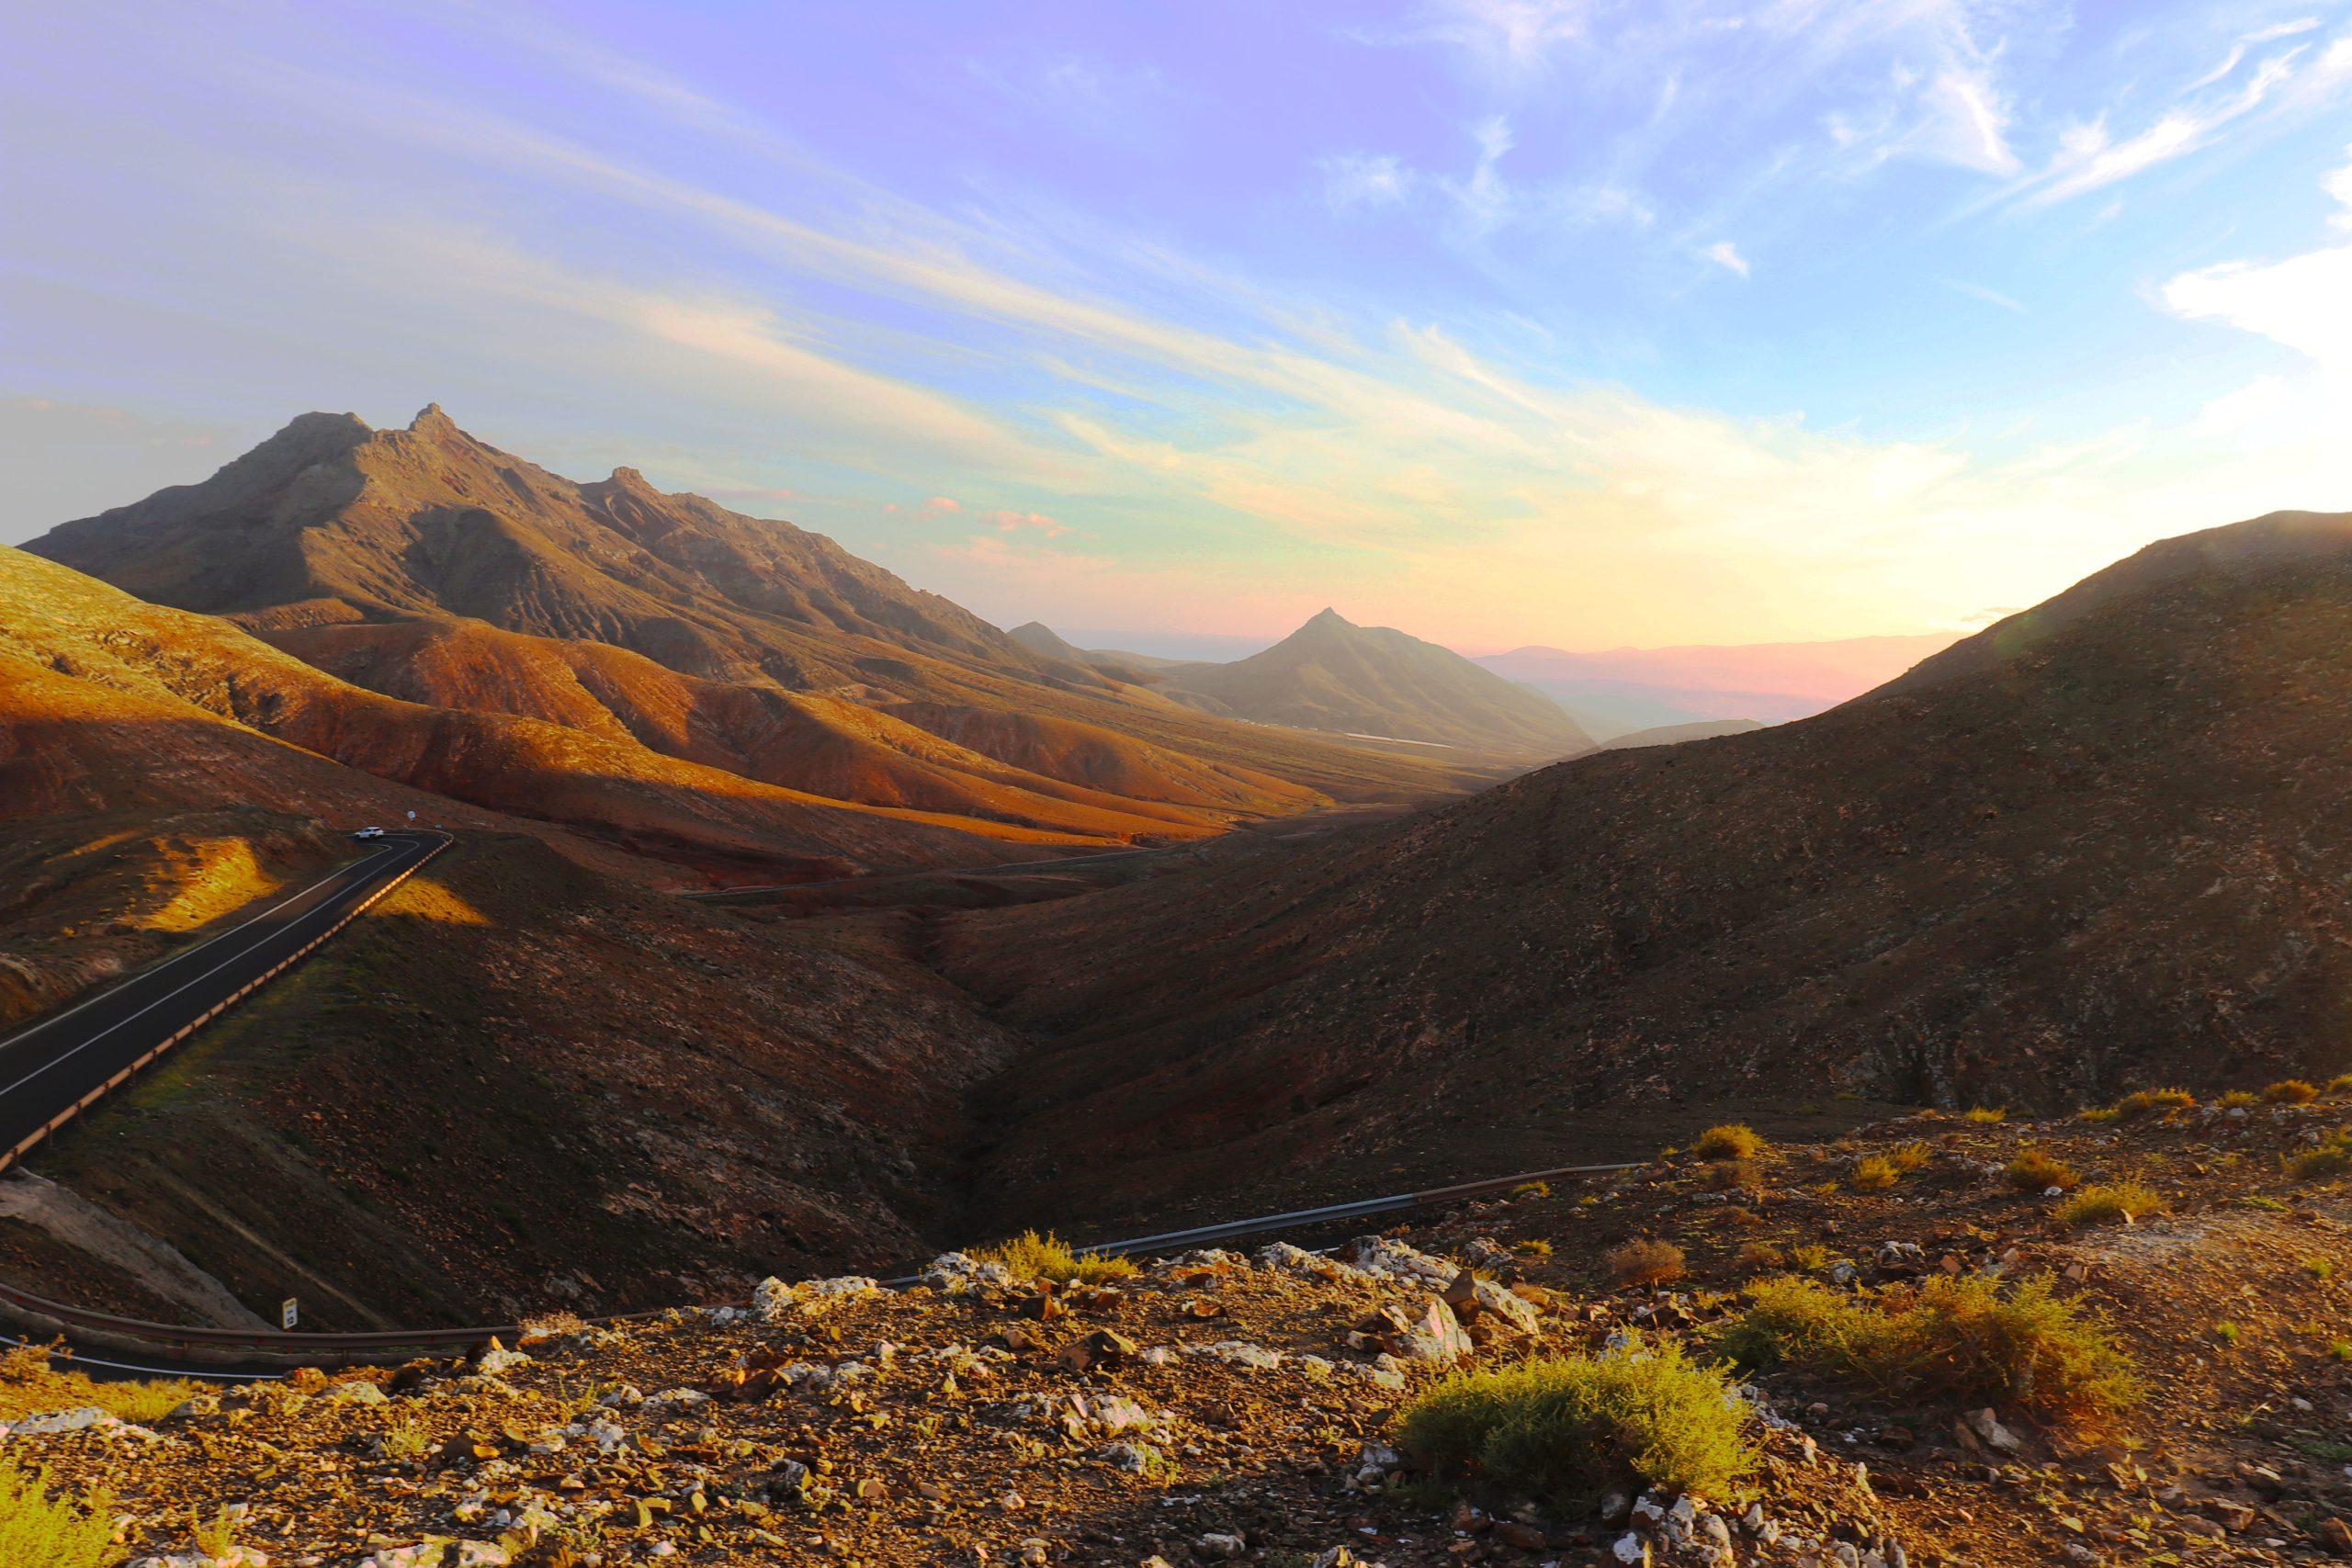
(46, 1129)
(318, 1349)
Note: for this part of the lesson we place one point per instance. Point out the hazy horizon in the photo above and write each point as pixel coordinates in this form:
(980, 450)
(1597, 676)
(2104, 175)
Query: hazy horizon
(1505, 321)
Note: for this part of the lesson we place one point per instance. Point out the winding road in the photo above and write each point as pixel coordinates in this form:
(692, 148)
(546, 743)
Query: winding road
(64, 1061)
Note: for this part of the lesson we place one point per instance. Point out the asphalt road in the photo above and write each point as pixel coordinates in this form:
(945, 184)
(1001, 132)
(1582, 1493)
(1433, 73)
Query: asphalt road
(53, 1062)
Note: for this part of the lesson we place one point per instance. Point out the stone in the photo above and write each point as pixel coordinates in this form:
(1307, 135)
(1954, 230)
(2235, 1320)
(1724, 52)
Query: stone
(356, 1394)
(496, 1359)
(1101, 1348)
(1631, 1548)
(1986, 1427)
(1435, 1336)
(1482, 1300)
(1217, 1546)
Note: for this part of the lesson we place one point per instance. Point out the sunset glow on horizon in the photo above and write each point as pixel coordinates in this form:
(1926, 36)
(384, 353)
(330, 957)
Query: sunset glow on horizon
(1503, 321)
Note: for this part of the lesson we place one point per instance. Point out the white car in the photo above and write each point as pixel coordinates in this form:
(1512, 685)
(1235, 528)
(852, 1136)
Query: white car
(368, 833)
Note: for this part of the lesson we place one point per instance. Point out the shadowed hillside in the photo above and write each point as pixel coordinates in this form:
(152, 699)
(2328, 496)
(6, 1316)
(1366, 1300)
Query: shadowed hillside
(2095, 845)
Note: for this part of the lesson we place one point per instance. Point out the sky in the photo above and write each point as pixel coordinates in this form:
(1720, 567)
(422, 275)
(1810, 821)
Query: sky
(1572, 322)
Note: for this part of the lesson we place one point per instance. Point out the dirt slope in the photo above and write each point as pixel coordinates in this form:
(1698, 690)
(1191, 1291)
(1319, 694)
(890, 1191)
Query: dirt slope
(112, 702)
(2111, 852)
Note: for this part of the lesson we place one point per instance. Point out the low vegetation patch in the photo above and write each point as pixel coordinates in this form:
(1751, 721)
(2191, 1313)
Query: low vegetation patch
(2239, 1100)
(2038, 1170)
(1566, 1429)
(2155, 1102)
(2291, 1091)
(1871, 1172)
(1733, 1140)
(54, 1532)
(1734, 1176)
(1948, 1341)
(2330, 1157)
(2110, 1202)
(1048, 1258)
(1644, 1262)
(1985, 1115)
(29, 1387)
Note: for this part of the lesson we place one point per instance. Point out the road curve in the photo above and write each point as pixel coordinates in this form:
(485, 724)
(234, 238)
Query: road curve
(64, 1061)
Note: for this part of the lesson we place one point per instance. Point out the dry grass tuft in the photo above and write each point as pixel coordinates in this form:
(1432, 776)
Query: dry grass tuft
(1910, 1158)
(29, 1387)
(1733, 1140)
(2330, 1157)
(2038, 1170)
(1872, 1173)
(2155, 1102)
(1985, 1115)
(1733, 1176)
(1760, 1258)
(1048, 1258)
(1948, 1341)
(2239, 1100)
(2291, 1091)
(1645, 1262)
(2106, 1203)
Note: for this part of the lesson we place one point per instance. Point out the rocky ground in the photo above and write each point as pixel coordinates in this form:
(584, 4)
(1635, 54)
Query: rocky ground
(1221, 1407)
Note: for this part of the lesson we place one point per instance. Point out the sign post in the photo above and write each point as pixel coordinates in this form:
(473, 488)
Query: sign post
(289, 1311)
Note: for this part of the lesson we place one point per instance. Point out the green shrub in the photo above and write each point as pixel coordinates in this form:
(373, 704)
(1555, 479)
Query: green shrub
(2155, 1102)
(2228, 1333)
(1644, 1262)
(2332, 1158)
(2036, 1170)
(2109, 1202)
(2098, 1114)
(1566, 1429)
(2320, 1269)
(1985, 1115)
(1871, 1173)
(1532, 1246)
(1811, 1258)
(1033, 1257)
(1947, 1341)
(2291, 1091)
(60, 1532)
(1733, 1140)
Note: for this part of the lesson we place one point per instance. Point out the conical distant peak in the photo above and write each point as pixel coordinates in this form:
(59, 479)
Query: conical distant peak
(431, 420)
(1328, 620)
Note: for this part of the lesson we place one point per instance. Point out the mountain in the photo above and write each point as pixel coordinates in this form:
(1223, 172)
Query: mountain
(1375, 682)
(424, 564)
(1040, 638)
(1676, 734)
(109, 705)
(330, 521)
(2095, 847)
(1638, 688)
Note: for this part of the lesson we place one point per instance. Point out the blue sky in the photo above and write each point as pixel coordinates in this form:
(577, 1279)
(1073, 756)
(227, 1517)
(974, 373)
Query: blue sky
(1503, 320)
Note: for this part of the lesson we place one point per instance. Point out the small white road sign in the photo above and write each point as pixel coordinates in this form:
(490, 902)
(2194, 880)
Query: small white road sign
(289, 1313)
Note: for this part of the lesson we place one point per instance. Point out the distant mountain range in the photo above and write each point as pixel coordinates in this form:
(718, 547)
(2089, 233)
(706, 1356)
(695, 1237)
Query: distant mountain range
(1638, 688)
(1365, 682)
